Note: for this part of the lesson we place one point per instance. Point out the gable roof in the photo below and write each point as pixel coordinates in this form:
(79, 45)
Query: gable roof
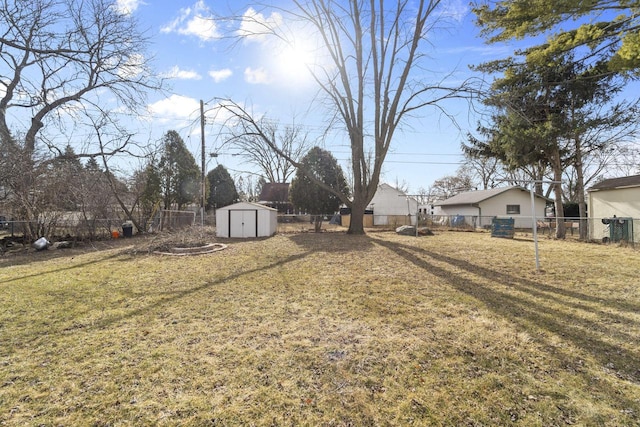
(244, 206)
(475, 197)
(386, 187)
(613, 183)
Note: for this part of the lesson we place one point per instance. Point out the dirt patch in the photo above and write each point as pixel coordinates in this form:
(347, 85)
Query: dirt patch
(23, 253)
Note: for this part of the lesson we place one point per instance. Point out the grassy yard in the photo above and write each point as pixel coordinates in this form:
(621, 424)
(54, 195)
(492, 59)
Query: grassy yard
(302, 329)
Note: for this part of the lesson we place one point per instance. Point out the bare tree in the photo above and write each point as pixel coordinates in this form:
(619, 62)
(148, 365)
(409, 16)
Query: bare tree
(626, 160)
(484, 170)
(249, 187)
(372, 79)
(423, 196)
(254, 138)
(450, 185)
(56, 56)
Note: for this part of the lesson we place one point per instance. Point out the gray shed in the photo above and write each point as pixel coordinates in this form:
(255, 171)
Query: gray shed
(246, 220)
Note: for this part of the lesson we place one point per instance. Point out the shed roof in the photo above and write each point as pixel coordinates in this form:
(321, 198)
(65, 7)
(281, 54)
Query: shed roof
(245, 206)
(474, 197)
(613, 183)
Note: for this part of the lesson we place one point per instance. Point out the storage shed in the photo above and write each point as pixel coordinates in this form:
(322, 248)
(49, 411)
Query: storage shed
(246, 220)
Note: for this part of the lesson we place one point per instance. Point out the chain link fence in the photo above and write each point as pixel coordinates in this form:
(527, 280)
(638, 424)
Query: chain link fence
(610, 230)
(620, 230)
(89, 229)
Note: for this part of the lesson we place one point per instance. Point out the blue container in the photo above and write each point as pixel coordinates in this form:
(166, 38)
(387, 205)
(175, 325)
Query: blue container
(502, 227)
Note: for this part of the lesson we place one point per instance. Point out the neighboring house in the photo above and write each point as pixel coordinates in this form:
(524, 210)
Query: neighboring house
(276, 195)
(479, 207)
(391, 206)
(615, 196)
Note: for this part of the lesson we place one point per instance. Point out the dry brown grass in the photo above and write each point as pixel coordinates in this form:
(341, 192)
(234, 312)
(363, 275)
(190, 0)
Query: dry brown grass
(324, 329)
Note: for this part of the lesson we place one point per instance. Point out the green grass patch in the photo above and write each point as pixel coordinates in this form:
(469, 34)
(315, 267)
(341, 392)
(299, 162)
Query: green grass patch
(324, 329)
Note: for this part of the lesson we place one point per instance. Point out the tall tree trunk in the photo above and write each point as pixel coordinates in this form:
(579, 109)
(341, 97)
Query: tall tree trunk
(356, 226)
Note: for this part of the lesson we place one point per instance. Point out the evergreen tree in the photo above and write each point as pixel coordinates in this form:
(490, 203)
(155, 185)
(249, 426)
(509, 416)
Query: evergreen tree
(65, 180)
(551, 115)
(92, 165)
(151, 194)
(600, 33)
(222, 189)
(179, 173)
(310, 197)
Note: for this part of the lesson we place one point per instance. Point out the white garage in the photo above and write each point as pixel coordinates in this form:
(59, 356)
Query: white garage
(246, 220)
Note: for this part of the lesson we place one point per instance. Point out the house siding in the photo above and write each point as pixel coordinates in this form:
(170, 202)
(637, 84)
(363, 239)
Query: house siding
(621, 202)
(392, 207)
(496, 206)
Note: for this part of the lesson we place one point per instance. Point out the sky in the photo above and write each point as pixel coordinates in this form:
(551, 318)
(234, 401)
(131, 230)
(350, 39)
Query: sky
(191, 50)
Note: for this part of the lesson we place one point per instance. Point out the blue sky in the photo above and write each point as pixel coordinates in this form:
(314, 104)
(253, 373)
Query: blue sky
(188, 47)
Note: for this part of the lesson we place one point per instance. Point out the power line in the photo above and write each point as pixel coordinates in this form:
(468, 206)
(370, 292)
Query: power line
(424, 162)
(408, 154)
(409, 162)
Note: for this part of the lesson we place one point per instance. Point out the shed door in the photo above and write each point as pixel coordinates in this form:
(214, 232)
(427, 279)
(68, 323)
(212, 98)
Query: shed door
(243, 223)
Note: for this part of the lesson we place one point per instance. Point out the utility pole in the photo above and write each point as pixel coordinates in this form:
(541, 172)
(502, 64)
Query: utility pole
(202, 181)
(534, 223)
(414, 197)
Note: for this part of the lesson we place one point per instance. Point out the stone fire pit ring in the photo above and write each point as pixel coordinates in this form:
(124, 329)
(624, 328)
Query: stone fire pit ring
(193, 250)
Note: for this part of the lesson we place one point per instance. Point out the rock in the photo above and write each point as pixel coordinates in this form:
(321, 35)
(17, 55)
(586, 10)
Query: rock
(409, 230)
(65, 244)
(406, 230)
(424, 231)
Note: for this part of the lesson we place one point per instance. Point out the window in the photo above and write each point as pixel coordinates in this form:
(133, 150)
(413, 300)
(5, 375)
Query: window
(513, 209)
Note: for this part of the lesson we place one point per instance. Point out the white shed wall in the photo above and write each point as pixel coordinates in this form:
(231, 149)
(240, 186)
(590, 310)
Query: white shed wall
(222, 223)
(246, 220)
(267, 222)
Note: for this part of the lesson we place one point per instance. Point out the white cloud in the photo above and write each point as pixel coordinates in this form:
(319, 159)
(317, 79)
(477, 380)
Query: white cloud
(127, 7)
(174, 108)
(177, 73)
(256, 76)
(220, 75)
(456, 9)
(194, 21)
(256, 27)
(133, 66)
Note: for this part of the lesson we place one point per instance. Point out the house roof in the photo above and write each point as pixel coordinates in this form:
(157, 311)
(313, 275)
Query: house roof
(385, 186)
(613, 183)
(274, 192)
(475, 197)
(390, 188)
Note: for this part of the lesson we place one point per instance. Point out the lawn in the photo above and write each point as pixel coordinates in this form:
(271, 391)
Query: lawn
(323, 330)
